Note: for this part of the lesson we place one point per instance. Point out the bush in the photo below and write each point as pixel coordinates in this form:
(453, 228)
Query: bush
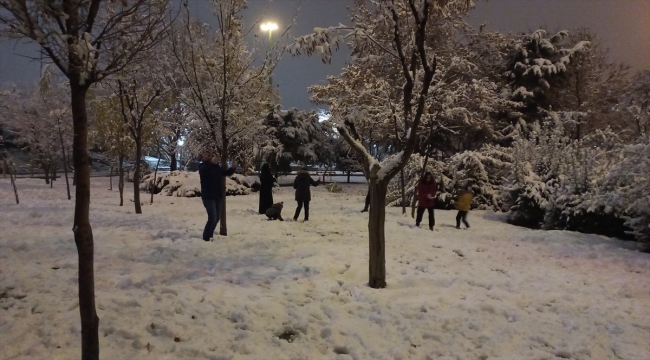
(186, 184)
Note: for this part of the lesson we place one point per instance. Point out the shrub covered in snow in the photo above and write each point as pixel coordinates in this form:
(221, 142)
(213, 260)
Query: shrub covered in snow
(556, 181)
(483, 169)
(626, 187)
(412, 173)
(188, 184)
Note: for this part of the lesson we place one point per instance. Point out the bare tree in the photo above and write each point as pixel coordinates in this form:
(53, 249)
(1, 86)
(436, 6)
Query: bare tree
(87, 41)
(135, 104)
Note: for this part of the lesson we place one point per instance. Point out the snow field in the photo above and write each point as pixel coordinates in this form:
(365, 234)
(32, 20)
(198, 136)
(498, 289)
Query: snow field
(286, 290)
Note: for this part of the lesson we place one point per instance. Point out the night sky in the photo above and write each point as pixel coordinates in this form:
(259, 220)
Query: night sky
(623, 25)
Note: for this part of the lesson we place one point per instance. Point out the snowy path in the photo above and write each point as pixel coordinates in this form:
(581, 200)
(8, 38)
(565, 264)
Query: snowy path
(491, 292)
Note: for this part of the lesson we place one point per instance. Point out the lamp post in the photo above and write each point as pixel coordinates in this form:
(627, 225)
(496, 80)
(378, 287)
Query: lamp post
(270, 27)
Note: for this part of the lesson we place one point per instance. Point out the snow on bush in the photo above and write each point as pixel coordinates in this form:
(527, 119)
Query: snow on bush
(483, 169)
(412, 173)
(555, 182)
(627, 187)
(188, 184)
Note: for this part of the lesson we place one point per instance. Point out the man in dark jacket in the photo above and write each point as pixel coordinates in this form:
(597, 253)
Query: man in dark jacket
(275, 211)
(303, 184)
(212, 179)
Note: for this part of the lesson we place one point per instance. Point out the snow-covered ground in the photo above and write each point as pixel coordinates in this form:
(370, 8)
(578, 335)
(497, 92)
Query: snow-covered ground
(491, 292)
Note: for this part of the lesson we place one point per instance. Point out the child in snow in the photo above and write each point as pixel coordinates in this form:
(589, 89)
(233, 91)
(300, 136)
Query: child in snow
(462, 203)
(275, 212)
(426, 191)
(303, 184)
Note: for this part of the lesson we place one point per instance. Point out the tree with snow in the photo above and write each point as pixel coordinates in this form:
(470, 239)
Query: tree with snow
(87, 41)
(635, 102)
(589, 88)
(392, 34)
(294, 137)
(534, 66)
(223, 85)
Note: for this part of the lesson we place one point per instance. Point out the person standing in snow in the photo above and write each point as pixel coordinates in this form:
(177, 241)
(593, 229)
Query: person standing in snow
(212, 177)
(266, 188)
(462, 203)
(303, 184)
(426, 191)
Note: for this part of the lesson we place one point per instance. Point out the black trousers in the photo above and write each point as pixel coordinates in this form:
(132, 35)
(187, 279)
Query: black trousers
(299, 208)
(462, 215)
(432, 220)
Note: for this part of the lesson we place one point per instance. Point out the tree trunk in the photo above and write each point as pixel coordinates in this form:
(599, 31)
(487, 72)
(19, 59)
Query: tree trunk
(11, 169)
(402, 185)
(53, 176)
(136, 178)
(223, 226)
(120, 183)
(83, 235)
(173, 164)
(110, 178)
(377, 253)
(12, 174)
(155, 173)
(65, 164)
(46, 170)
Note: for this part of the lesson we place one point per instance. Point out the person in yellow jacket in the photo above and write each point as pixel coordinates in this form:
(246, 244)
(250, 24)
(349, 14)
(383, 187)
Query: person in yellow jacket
(462, 203)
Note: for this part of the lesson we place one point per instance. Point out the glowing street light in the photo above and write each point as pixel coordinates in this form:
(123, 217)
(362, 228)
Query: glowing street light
(270, 27)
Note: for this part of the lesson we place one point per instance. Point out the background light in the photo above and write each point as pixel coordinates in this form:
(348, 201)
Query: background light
(269, 26)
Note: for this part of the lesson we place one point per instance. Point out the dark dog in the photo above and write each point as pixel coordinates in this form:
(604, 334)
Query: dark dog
(275, 212)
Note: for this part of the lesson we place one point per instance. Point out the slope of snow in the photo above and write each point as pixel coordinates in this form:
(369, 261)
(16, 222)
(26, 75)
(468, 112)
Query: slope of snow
(491, 292)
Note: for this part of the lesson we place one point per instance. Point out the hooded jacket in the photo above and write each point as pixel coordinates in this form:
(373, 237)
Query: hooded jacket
(426, 189)
(303, 184)
(464, 200)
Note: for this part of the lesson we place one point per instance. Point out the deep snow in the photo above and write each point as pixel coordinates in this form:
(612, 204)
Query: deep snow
(491, 292)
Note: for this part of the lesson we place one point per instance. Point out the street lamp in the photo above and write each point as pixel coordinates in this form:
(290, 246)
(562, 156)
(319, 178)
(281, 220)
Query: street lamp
(270, 27)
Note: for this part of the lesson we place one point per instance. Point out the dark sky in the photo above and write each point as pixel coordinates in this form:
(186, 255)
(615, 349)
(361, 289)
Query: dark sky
(623, 25)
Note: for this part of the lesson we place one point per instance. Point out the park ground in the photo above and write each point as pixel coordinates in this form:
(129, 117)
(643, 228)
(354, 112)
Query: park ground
(287, 290)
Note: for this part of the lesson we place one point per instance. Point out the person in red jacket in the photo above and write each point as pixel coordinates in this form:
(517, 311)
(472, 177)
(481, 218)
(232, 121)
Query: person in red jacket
(426, 191)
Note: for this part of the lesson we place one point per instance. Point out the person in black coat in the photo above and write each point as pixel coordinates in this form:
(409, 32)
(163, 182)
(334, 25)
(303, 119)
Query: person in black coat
(303, 184)
(212, 178)
(266, 188)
